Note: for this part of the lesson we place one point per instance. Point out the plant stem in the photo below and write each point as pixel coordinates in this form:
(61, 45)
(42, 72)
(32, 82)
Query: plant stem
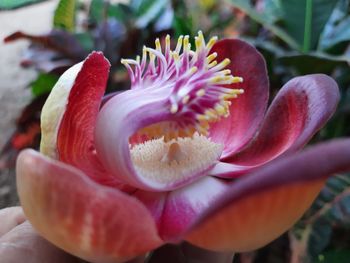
(307, 26)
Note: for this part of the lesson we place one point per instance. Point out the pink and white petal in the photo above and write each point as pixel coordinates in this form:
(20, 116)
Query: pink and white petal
(75, 136)
(183, 206)
(247, 111)
(94, 222)
(53, 110)
(299, 110)
(261, 206)
(119, 120)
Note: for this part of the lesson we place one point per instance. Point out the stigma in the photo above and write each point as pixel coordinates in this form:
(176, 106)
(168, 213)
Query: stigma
(198, 87)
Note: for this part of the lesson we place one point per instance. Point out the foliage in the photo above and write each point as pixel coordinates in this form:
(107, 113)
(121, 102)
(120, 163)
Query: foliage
(313, 234)
(11, 4)
(64, 17)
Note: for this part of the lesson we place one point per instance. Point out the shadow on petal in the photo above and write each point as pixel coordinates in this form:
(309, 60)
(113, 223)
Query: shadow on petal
(299, 110)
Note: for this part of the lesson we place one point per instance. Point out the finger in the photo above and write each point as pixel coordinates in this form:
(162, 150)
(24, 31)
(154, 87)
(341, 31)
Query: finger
(23, 244)
(10, 218)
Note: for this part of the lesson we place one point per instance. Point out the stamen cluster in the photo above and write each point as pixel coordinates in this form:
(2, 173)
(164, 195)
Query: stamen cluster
(195, 81)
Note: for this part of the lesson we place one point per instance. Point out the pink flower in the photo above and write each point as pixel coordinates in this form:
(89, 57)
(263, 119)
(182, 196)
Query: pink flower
(188, 153)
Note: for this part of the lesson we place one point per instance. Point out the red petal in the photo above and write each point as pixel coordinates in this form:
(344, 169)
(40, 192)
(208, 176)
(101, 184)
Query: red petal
(75, 139)
(299, 110)
(94, 222)
(261, 206)
(247, 111)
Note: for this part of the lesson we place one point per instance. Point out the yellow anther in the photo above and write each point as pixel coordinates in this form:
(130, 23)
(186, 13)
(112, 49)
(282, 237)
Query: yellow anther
(228, 96)
(236, 91)
(212, 64)
(220, 109)
(175, 56)
(211, 57)
(200, 93)
(211, 42)
(201, 117)
(225, 63)
(124, 61)
(179, 44)
(138, 59)
(237, 79)
(158, 46)
(198, 43)
(167, 41)
(211, 114)
(186, 99)
(226, 72)
(174, 108)
(193, 70)
(186, 42)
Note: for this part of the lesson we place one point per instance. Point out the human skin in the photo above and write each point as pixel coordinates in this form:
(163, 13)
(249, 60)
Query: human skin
(19, 242)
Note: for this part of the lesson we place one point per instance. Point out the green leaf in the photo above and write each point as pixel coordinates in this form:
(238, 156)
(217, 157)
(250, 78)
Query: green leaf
(97, 10)
(43, 84)
(64, 17)
(313, 62)
(12, 4)
(332, 207)
(305, 19)
(333, 256)
(337, 28)
(265, 20)
(147, 11)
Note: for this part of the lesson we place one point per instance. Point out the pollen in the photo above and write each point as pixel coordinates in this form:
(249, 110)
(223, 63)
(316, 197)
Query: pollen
(166, 162)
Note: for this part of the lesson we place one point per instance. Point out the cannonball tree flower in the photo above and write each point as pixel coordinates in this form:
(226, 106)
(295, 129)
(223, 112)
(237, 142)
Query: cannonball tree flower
(188, 153)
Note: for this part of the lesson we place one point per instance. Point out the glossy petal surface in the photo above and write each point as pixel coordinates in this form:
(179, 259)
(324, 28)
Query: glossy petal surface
(247, 111)
(94, 222)
(263, 205)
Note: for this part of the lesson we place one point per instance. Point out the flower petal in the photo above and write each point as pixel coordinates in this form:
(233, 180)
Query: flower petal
(263, 205)
(247, 111)
(78, 108)
(299, 110)
(183, 206)
(94, 222)
(121, 118)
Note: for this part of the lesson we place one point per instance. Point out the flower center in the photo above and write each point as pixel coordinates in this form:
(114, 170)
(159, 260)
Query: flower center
(193, 90)
(167, 162)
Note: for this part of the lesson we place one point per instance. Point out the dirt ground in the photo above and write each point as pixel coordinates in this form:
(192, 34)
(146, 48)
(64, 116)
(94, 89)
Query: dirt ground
(14, 96)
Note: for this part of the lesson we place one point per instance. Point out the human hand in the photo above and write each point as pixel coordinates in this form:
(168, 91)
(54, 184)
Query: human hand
(19, 242)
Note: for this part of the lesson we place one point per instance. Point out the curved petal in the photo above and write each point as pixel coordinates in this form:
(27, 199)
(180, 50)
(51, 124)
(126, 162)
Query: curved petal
(299, 110)
(78, 111)
(119, 119)
(94, 222)
(247, 111)
(261, 206)
(53, 110)
(182, 207)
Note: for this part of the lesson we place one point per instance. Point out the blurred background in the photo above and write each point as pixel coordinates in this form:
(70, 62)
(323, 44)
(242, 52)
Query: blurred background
(41, 39)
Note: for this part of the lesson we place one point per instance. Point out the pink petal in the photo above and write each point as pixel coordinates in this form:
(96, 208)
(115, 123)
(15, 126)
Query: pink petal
(299, 110)
(247, 111)
(174, 212)
(94, 222)
(261, 206)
